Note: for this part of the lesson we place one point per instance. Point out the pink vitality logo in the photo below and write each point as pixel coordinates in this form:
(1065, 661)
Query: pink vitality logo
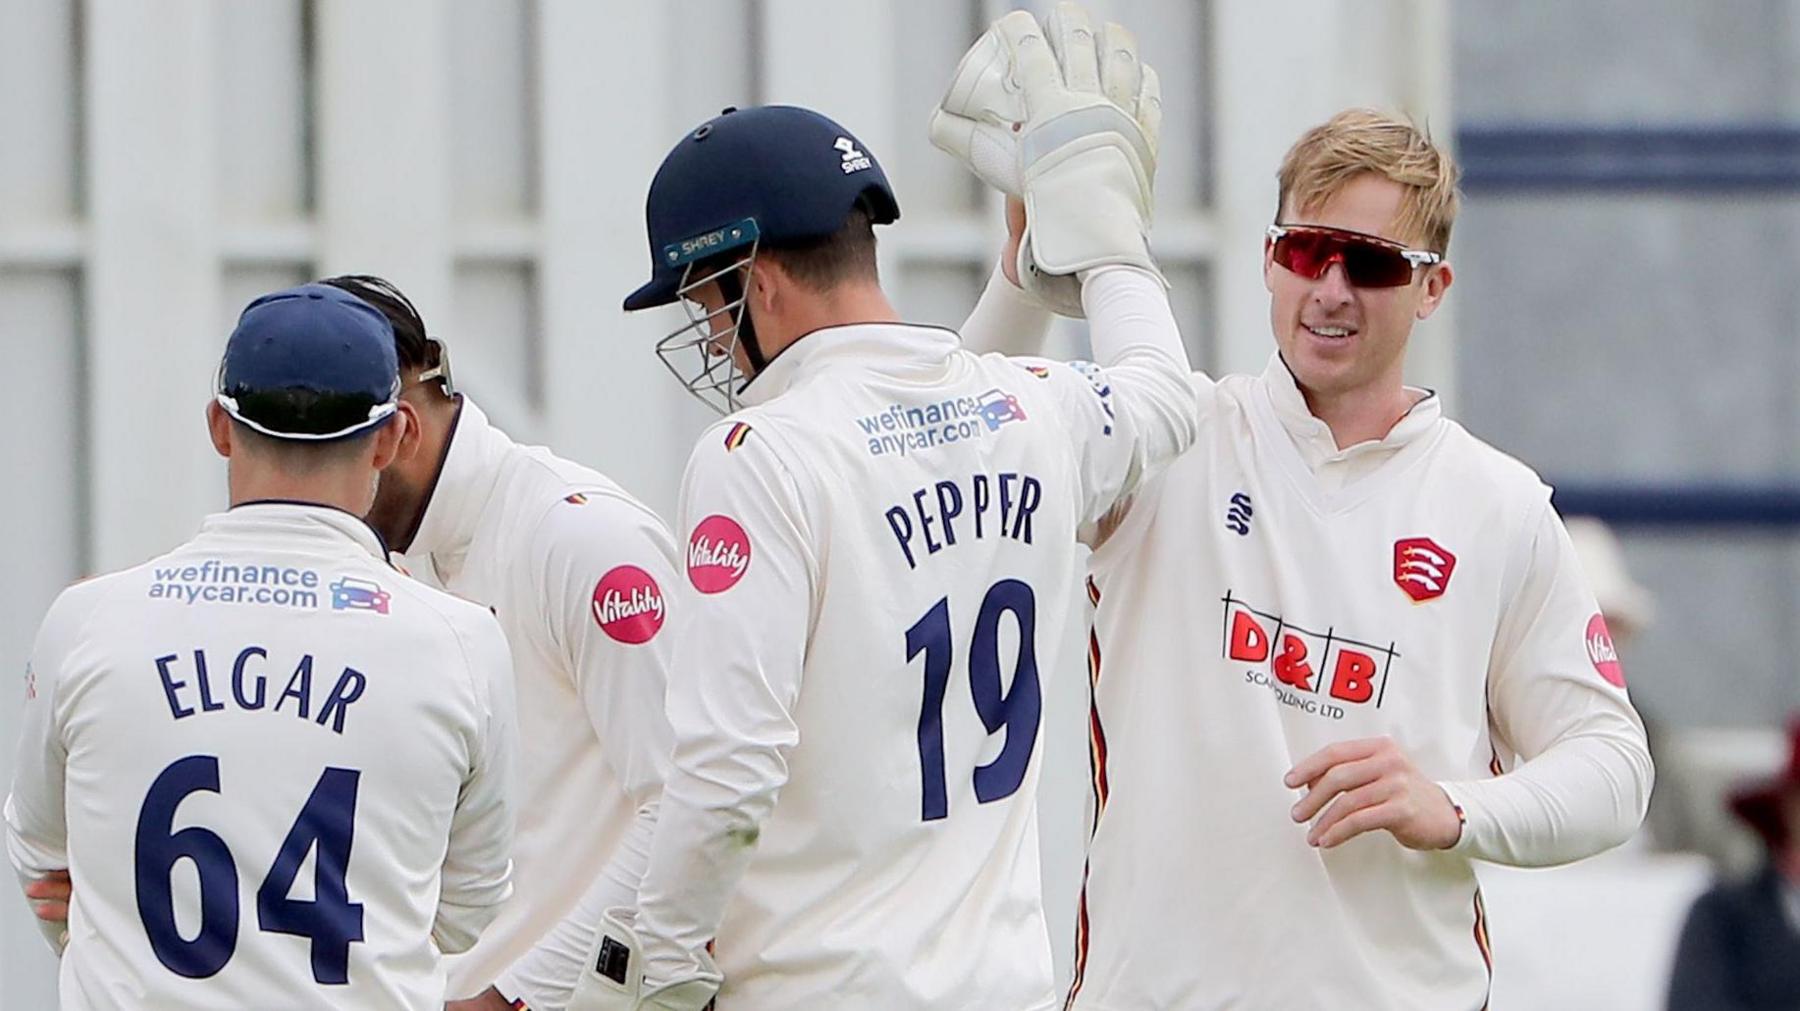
(628, 605)
(718, 554)
(1602, 653)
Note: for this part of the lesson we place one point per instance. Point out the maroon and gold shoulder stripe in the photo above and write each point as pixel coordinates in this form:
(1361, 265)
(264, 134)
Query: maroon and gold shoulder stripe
(735, 438)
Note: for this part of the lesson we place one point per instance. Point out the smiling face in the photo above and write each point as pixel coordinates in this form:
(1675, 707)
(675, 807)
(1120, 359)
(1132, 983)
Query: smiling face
(1340, 340)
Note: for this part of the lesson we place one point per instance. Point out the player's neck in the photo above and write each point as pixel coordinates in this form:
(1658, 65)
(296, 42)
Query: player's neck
(347, 488)
(1361, 414)
(408, 484)
(437, 422)
(844, 305)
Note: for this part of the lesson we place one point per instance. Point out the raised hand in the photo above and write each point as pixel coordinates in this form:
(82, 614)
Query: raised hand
(1069, 121)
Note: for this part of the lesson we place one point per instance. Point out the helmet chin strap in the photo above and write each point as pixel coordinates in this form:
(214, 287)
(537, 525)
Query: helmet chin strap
(731, 286)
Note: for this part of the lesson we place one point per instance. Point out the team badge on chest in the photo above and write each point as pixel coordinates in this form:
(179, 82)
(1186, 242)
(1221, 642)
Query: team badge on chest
(1422, 568)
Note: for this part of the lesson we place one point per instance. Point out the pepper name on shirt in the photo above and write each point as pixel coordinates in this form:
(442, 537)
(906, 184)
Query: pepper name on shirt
(187, 683)
(994, 505)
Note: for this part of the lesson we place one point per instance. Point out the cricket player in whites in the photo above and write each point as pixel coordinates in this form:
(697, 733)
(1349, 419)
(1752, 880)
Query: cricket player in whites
(277, 768)
(579, 574)
(881, 543)
(1340, 650)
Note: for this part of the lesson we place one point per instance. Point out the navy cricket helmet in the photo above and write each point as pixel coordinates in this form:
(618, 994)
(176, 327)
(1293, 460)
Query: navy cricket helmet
(770, 175)
(312, 339)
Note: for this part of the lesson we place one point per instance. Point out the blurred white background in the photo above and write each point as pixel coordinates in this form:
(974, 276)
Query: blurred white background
(162, 163)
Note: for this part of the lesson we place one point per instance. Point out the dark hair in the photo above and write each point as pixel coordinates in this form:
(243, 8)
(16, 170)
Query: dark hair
(299, 410)
(847, 254)
(302, 410)
(412, 346)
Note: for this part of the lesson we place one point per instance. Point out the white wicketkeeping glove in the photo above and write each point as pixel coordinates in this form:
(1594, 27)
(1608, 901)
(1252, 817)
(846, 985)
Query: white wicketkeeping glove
(1070, 123)
(613, 978)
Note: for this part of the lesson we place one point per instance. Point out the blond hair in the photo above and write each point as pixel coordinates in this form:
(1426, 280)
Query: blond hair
(1356, 141)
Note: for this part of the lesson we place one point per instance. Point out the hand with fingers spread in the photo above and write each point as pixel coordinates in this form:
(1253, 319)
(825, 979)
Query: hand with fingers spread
(1371, 784)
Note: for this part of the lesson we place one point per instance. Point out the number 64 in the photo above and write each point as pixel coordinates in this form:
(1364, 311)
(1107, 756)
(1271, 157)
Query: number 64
(329, 919)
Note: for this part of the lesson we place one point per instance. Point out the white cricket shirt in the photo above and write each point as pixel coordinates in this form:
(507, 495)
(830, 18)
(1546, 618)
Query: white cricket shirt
(579, 573)
(1270, 594)
(879, 555)
(276, 769)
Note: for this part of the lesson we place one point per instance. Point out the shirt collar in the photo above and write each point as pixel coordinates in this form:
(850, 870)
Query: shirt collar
(898, 347)
(470, 473)
(262, 517)
(1314, 436)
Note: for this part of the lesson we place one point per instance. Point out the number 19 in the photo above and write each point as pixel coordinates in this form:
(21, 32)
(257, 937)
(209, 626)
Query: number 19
(1017, 711)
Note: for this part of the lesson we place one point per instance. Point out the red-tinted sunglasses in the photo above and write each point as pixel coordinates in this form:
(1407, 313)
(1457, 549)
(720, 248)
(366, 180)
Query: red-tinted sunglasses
(1369, 261)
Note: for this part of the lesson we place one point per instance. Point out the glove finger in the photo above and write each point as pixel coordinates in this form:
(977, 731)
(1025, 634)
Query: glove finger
(1149, 108)
(1033, 64)
(951, 133)
(1121, 75)
(988, 151)
(979, 89)
(1071, 37)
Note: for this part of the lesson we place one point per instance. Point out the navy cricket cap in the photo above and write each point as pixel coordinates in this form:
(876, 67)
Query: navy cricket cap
(775, 174)
(313, 363)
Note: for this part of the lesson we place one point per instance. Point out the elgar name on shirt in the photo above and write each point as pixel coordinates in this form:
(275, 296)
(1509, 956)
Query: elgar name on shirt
(188, 683)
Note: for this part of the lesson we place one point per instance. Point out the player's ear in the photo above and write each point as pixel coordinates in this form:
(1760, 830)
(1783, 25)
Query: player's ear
(766, 281)
(413, 437)
(392, 437)
(1437, 283)
(218, 427)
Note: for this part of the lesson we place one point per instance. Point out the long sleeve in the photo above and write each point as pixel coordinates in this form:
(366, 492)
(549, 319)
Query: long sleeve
(1556, 699)
(1137, 406)
(606, 574)
(477, 874)
(750, 593)
(36, 831)
(1005, 320)
(1138, 345)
